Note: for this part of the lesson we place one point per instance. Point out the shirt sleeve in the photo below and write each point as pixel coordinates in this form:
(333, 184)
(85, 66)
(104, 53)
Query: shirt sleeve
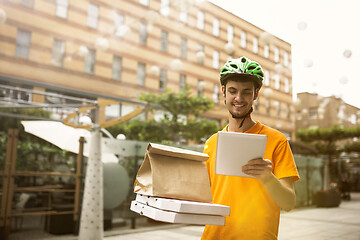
(284, 162)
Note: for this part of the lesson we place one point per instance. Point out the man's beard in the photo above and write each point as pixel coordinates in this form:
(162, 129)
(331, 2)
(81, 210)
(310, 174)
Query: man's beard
(238, 116)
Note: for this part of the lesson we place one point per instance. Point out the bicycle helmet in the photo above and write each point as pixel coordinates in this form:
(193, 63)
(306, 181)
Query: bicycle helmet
(243, 68)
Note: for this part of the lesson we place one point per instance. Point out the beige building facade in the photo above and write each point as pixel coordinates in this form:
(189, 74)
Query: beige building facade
(125, 48)
(314, 111)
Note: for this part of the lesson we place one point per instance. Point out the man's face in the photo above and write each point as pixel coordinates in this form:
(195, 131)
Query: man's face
(239, 97)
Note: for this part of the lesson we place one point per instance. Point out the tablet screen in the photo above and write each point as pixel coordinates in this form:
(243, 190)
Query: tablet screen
(234, 150)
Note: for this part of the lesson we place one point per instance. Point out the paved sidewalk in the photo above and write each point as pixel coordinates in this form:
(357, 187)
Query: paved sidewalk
(340, 223)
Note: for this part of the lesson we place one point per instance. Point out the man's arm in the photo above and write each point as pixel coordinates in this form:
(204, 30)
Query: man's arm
(281, 190)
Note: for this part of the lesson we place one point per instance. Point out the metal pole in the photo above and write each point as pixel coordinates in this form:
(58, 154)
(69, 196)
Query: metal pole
(91, 223)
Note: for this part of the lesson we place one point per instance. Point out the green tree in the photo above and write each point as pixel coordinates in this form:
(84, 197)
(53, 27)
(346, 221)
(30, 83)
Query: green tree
(33, 153)
(331, 142)
(181, 121)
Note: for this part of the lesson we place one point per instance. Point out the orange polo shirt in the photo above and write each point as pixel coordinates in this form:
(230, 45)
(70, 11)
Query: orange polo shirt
(253, 213)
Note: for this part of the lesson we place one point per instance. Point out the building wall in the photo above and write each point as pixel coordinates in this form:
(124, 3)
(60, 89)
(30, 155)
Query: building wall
(314, 111)
(43, 24)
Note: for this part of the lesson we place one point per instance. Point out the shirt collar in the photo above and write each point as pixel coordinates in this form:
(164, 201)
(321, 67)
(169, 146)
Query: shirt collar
(254, 129)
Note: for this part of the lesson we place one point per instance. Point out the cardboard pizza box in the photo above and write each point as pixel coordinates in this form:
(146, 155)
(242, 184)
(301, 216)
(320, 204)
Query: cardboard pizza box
(183, 206)
(174, 217)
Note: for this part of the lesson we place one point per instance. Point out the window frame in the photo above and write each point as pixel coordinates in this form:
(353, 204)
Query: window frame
(89, 61)
(117, 68)
(58, 52)
(93, 16)
(61, 10)
(23, 43)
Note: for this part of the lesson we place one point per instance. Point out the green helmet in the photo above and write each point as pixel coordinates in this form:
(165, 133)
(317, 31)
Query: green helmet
(244, 67)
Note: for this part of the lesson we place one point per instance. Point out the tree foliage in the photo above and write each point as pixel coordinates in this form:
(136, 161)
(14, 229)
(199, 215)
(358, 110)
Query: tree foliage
(180, 123)
(32, 153)
(326, 140)
(331, 142)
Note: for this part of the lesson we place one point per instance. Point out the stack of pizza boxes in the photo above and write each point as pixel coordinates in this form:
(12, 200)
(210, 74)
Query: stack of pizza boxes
(172, 185)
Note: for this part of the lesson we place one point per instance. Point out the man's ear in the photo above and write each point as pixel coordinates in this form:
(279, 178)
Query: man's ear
(223, 89)
(256, 93)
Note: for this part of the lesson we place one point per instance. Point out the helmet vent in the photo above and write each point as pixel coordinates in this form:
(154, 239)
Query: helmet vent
(251, 68)
(234, 66)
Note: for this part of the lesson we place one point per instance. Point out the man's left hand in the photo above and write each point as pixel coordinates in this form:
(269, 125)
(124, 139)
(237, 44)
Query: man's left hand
(259, 168)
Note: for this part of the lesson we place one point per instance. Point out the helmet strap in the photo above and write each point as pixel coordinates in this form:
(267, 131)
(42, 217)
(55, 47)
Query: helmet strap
(247, 115)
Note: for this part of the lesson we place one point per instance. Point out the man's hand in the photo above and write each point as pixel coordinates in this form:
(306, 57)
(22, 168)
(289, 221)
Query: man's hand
(259, 168)
(281, 190)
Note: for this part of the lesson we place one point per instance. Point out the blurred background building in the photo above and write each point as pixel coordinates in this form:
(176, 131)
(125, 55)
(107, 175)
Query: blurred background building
(126, 48)
(314, 111)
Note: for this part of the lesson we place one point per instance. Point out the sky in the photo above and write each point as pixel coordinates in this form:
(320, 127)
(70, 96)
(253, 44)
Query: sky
(319, 64)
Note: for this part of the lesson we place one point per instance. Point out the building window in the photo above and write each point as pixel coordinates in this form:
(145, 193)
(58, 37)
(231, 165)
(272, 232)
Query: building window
(182, 81)
(255, 45)
(200, 48)
(183, 15)
(200, 87)
(313, 113)
(216, 59)
(277, 108)
(27, 3)
(267, 106)
(216, 27)
(117, 68)
(230, 33)
(267, 78)
(23, 43)
(243, 39)
(353, 119)
(165, 7)
(90, 62)
(144, 2)
(164, 41)
(162, 79)
(286, 59)
(93, 14)
(61, 8)
(141, 74)
(58, 52)
(288, 112)
(277, 81)
(200, 20)
(216, 93)
(276, 54)
(183, 48)
(119, 21)
(143, 34)
(266, 51)
(287, 85)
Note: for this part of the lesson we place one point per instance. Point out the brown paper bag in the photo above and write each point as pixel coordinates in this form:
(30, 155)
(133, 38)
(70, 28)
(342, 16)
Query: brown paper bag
(171, 172)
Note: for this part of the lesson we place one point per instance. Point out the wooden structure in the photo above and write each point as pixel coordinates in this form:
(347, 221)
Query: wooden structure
(7, 200)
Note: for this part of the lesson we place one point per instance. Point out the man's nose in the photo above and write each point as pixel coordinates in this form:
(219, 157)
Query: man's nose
(238, 97)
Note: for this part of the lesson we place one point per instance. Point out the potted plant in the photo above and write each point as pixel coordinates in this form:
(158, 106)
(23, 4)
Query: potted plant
(327, 198)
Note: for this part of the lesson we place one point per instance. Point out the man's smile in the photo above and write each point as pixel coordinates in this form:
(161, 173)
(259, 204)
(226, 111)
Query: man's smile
(239, 105)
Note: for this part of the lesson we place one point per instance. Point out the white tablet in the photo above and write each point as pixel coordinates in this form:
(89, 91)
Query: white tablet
(234, 150)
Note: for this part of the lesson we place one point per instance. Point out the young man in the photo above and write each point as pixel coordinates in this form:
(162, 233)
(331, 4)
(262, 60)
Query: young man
(255, 202)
